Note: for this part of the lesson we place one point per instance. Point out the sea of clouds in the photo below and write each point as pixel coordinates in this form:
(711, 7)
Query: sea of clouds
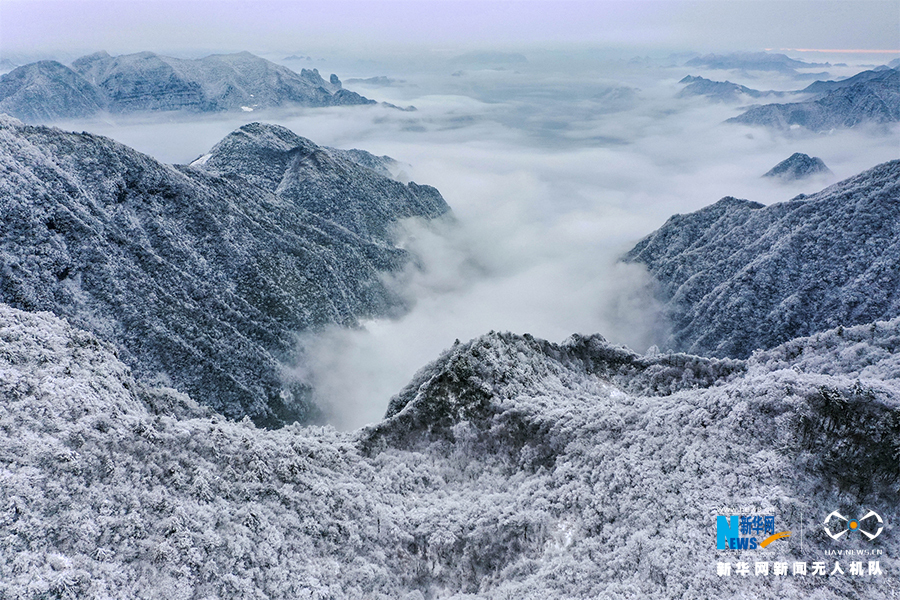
(554, 166)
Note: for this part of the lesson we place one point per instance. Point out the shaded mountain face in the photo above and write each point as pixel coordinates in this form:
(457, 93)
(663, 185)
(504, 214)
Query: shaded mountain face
(874, 99)
(149, 82)
(47, 90)
(737, 276)
(798, 166)
(383, 165)
(509, 468)
(200, 280)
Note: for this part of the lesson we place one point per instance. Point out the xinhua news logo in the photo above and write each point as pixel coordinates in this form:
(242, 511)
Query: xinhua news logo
(869, 525)
(746, 532)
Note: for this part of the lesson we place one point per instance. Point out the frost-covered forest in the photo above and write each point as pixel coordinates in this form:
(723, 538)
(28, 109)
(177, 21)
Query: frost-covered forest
(509, 468)
(227, 357)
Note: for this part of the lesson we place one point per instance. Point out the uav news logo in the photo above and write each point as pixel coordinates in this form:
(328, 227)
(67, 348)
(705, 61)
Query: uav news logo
(744, 532)
(836, 525)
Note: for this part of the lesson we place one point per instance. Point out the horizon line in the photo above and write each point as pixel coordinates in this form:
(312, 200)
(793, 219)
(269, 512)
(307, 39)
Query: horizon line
(844, 50)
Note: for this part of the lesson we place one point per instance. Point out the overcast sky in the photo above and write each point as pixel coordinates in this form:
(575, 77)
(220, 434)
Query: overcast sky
(72, 26)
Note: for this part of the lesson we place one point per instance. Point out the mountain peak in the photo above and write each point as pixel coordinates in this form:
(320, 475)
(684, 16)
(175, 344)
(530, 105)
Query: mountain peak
(345, 187)
(265, 136)
(798, 166)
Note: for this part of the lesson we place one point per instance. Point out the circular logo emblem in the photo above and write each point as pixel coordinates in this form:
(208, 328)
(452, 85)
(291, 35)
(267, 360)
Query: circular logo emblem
(837, 525)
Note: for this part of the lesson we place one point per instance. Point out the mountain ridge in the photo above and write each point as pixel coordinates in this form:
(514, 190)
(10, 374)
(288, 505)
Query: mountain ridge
(753, 61)
(720, 91)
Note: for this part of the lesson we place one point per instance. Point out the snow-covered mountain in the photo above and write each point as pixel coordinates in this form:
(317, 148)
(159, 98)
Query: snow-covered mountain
(201, 276)
(798, 166)
(510, 468)
(146, 81)
(737, 276)
(871, 99)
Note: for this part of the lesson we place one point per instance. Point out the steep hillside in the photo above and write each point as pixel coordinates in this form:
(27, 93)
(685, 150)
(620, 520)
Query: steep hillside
(383, 165)
(511, 468)
(200, 280)
(737, 276)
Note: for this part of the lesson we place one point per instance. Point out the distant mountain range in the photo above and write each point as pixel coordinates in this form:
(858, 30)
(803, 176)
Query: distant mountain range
(489, 59)
(870, 97)
(47, 90)
(202, 275)
(738, 276)
(867, 97)
(378, 81)
(754, 61)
